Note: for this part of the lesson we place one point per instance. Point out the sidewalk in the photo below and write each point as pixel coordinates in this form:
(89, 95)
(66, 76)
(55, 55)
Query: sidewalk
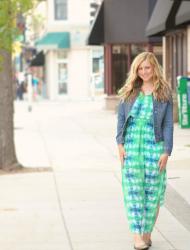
(79, 204)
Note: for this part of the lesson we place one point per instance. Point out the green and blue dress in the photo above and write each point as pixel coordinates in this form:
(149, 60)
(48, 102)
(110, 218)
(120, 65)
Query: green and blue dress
(142, 184)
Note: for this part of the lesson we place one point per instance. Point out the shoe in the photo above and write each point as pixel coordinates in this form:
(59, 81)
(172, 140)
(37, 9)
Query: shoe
(142, 247)
(149, 243)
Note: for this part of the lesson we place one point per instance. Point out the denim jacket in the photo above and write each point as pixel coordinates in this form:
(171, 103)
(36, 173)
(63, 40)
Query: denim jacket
(162, 121)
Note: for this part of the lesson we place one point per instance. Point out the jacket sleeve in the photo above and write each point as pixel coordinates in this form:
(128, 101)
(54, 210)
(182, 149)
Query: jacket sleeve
(168, 128)
(120, 123)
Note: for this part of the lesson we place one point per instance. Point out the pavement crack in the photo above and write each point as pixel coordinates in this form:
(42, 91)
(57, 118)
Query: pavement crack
(163, 236)
(56, 187)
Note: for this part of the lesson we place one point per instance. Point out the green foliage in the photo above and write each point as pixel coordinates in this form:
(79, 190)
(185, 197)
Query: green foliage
(9, 11)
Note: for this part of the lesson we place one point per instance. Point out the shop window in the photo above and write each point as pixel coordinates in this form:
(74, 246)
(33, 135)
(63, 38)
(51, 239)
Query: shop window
(121, 58)
(62, 78)
(137, 49)
(119, 66)
(98, 69)
(62, 61)
(157, 50)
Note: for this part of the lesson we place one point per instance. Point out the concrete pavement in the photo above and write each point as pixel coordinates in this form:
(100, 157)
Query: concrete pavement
(79, 204)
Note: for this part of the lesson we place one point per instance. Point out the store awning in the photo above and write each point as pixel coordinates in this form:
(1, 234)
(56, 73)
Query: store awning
(38, 60)
(183, 14)
(160, 18)
(54, 40)
(96, 35)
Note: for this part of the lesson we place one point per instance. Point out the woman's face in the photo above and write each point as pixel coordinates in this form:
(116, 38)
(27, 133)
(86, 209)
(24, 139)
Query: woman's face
(145, 71)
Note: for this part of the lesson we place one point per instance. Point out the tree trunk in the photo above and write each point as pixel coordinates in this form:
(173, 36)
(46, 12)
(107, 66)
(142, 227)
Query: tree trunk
(8, 160)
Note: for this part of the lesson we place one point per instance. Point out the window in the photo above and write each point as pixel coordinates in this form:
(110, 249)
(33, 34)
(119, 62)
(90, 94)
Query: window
(137, 49)
(62, 78)
(157, 50)
(60, 9)
(98, 70)
(122, 57)
(120, 60)
(62, 60)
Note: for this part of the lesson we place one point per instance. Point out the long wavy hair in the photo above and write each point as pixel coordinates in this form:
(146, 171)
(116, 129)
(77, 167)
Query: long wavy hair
(133, 84)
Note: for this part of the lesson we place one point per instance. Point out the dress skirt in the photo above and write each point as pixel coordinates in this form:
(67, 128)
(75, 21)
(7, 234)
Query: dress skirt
(142, 183)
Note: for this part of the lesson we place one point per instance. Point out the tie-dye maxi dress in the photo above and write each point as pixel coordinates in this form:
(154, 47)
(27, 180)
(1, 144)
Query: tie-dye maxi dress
(142, 183)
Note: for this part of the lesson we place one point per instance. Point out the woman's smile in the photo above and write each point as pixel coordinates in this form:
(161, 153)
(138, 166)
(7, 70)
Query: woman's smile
(145, 71)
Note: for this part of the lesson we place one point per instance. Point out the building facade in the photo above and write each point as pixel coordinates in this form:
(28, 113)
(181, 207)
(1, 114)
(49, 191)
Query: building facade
(173, 25)
(68, 60)
(120, 27)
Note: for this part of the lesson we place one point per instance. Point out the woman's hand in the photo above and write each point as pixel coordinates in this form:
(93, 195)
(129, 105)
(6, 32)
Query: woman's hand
(163, 161)
(122, 153)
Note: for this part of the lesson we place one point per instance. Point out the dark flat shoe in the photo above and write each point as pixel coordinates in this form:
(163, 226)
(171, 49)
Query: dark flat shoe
(149, 243)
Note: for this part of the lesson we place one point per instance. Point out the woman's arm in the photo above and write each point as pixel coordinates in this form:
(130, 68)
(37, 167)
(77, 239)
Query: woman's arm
(119, 136)
(168, 128)
(168, 136)
(120, 123)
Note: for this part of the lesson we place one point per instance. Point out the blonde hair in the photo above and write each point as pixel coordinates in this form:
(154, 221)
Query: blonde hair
(132, 86)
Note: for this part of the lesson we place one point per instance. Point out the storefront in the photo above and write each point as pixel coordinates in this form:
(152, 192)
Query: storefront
(123, 36)
(120, 58)
(173, 25)
(55, 46)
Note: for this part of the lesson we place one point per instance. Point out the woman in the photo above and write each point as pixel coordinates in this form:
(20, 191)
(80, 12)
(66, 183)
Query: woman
(145, 140)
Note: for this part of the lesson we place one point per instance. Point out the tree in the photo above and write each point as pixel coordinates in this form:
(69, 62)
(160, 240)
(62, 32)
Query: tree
(9, 10)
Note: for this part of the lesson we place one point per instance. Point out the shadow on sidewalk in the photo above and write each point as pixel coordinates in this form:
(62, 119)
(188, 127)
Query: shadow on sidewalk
(25, 170)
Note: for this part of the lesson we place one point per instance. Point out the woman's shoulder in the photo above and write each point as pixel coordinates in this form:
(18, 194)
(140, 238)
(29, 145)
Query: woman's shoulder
(121, 104)
(122, 101)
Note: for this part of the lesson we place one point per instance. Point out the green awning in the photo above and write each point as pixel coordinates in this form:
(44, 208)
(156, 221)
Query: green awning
(54, 40)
